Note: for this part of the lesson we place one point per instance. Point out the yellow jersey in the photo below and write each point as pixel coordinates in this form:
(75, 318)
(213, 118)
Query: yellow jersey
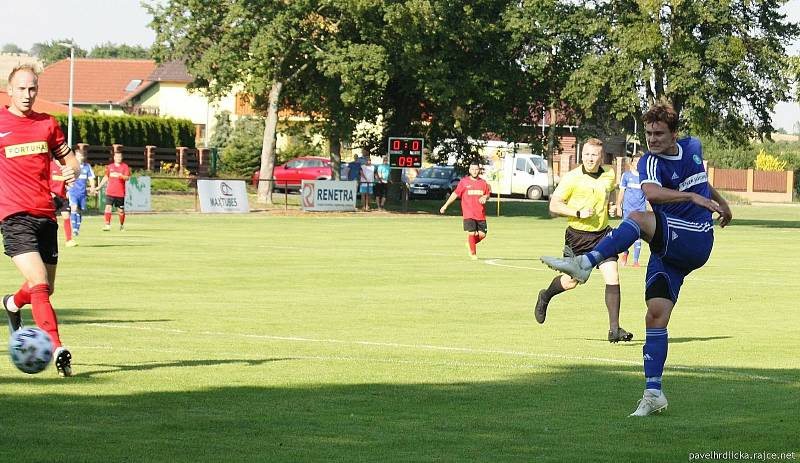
(582, 190)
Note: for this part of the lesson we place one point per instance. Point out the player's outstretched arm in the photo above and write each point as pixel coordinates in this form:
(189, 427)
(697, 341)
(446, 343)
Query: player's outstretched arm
(724, 211)
(447, 203)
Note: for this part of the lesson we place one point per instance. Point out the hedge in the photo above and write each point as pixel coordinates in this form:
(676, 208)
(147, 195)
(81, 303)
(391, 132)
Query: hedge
(129, 130)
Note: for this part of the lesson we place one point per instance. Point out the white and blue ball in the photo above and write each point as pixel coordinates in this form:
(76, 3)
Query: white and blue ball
(31, 349)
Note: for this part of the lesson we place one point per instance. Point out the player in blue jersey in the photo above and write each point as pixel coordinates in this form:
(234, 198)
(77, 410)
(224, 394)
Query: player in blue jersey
(77, 193)
(680, 231)
(631, 199)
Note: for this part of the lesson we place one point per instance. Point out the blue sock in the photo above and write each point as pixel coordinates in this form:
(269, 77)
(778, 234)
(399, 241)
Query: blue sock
(620, 239)
(655, 355)
(73, 217)
(637, 249)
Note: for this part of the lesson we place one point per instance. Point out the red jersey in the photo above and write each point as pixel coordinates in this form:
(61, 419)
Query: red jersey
(116, 184)
(470, 190)
(27, 145)
(57, 183)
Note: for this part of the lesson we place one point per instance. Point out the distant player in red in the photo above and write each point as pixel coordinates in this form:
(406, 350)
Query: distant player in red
(58, 187)
(474, 192)
(116, 175)
(28, 141)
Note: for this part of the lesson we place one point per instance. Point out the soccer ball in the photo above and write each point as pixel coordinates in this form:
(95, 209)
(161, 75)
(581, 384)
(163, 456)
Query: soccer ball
(31, 349)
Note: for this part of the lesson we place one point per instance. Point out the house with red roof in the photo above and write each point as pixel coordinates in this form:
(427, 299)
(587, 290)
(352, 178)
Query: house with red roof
(101, 84)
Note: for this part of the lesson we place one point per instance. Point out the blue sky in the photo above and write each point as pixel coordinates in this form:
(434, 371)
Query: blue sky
(92, 22)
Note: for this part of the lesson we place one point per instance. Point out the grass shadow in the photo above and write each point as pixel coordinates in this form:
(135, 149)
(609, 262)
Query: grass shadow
(554, 414)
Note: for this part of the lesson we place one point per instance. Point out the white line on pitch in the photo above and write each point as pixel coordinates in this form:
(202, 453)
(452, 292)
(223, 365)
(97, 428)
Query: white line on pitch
(468, 350)
(496, 263)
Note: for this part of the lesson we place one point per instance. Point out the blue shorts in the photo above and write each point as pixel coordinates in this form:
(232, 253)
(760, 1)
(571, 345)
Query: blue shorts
(365, 188)
(78, 199)
(682, 247)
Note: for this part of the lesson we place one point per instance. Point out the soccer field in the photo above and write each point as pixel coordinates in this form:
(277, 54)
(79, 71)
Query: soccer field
(373, 337)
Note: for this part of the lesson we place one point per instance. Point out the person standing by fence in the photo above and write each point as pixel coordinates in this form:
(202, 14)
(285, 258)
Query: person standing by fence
(631, 199)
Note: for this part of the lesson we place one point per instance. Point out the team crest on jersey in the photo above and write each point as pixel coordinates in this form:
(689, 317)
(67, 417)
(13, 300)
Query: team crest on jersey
(697, 159)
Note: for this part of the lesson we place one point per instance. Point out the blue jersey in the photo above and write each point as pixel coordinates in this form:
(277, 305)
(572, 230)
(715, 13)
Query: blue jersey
(78, 187)
(634, 199)
(683, 171)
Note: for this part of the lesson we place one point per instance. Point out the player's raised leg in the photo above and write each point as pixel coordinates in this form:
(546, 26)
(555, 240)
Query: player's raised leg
(638, 225)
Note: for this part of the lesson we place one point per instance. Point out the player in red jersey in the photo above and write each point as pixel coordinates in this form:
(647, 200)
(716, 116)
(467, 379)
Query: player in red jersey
(58, 187)
(474, 192)
(116, 175)
(28, 140)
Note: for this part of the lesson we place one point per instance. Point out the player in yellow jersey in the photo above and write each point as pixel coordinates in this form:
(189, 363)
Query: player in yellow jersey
(582, 196)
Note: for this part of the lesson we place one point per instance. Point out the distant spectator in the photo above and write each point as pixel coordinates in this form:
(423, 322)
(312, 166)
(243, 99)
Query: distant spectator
(354, 169)
(382, 173)
(366, 181)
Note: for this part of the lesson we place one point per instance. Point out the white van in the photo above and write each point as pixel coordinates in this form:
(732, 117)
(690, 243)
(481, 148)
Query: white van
(516, 173)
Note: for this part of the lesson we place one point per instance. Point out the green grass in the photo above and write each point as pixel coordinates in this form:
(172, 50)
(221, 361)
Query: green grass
(372, 337)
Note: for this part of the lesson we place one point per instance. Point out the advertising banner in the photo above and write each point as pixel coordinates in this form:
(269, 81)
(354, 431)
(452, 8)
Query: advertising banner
(223, 196)
(328, 195)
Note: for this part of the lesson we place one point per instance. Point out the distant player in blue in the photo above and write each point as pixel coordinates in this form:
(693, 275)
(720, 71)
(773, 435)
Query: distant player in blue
(84, 183)
(631, 199)
(680, 231)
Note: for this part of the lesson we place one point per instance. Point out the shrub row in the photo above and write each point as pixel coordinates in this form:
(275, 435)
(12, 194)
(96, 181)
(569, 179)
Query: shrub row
(96, 129)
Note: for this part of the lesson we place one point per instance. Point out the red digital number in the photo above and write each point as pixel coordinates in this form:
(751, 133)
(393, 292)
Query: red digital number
(415, 145)
(396, 145)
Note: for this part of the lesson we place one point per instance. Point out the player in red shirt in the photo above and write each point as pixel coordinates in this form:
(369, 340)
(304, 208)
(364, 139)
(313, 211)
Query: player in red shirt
(474, 192)
(58, 187)
(28, 140)
(116, 175)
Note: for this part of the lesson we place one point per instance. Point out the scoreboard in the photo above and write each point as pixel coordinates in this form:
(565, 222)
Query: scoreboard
(405, 152)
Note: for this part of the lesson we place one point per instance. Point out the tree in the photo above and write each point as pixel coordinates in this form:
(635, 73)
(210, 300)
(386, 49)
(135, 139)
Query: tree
(11, 48)
(720, 63)
(452, 78)
(52, 51)
(241, 155)
(261, 47)
(113, 51)
(550, 40)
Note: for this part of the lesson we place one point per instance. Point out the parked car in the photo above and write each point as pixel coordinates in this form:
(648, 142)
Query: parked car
(434, 182)
(290, 175)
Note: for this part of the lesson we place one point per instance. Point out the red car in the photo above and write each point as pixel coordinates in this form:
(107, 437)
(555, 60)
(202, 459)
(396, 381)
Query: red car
(291, 174)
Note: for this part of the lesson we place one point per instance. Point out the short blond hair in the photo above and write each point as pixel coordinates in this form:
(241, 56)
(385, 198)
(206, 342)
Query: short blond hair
(594, 141)
(23, 67)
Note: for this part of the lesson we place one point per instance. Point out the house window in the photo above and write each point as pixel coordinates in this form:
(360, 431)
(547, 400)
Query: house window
(133, 85)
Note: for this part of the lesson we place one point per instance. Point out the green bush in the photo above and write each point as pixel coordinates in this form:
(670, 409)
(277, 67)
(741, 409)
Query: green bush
(169, 184)
(95, 129)
(242, 154)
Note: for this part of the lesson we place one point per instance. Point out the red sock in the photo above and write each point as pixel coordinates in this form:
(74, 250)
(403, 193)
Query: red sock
(122, 218)
(472, 243)
(23, 296)
(479, 238)
(107, 216)
(68, 229)
(43, 313)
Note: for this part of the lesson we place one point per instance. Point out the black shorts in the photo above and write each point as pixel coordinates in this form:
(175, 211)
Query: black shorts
(581, 242)
(380, 189)
(62, 205)
(472, 225)
(115, 201)
(23, 233)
